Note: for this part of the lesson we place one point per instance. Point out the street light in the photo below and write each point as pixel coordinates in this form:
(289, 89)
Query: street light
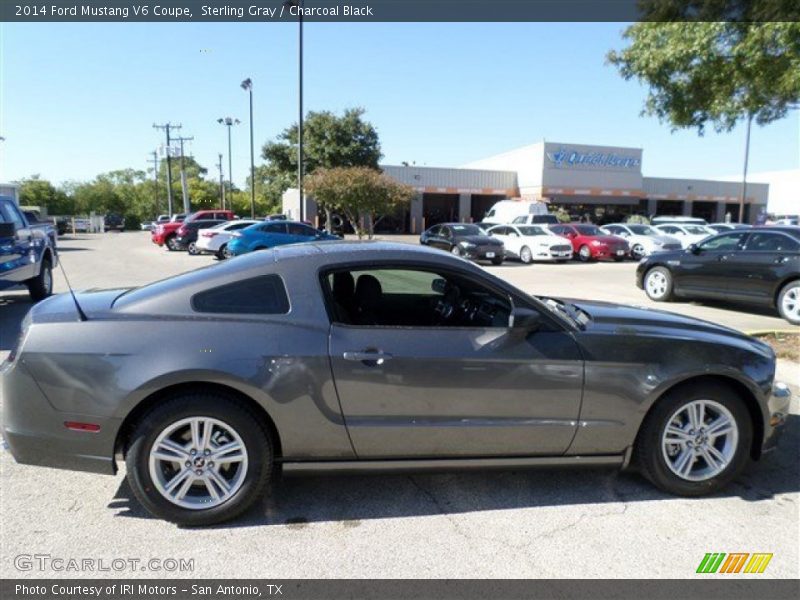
(229, 122)
(299, 5)
(247, 85)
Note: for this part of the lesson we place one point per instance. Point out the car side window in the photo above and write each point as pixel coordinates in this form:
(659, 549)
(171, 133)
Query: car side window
(274, 228)
(410, 297)
(11, 214)
(772, 242)
(238, 226)
(264, 295)
(300, 229)
(446, 232)
(723, 243)
(520, 219)
(435, 230)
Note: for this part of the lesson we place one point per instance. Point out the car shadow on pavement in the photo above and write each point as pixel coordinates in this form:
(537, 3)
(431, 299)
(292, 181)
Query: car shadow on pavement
(296, 502)
(13, 308)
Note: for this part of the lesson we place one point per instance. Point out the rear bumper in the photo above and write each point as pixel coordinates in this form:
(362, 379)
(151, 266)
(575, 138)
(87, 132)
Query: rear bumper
(777, 411)
(35, 432)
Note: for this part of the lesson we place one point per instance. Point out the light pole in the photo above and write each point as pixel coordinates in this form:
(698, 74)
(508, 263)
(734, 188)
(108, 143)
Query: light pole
(229, 122)
(221, 184)
(247, 85)
(166, 127)
(299, 5)
(744, 175)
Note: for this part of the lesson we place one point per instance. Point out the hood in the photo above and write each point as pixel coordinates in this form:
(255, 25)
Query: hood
(663, 239)
(479, 240)
(613, 318)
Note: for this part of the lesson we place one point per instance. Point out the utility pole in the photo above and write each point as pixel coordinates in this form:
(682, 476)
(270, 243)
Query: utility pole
(187, 205)
(300, 113)
(221, 184)
(744, 176)
(154, 160)
(166, 127)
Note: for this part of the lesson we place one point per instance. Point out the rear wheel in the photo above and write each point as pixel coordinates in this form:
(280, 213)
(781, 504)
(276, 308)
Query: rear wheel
(223, 253)
(695, 440)
(789, 302)
(585, 254)
(41, 286)
(199, 458)
(658, 284)
(455, 251)
(193, 249)
(525, 255)
(497, 261)
(638, 251)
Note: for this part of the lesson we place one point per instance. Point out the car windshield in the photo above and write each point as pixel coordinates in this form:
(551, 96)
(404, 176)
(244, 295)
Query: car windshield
(531, 230)
(588, 230)
(695, 229)
(642, 230)
(467, 229)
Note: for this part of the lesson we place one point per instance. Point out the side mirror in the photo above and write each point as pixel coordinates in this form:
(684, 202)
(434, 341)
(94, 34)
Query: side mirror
(7, 230)
(524, 320)
(694, 248)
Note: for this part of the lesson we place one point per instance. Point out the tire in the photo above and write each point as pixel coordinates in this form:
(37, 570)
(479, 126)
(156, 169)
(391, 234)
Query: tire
(171, 244)
(658, 284)
(585, 254)
(497, 261)
(223, 253)
(192, 249)
(789, 302)
(638, 251)
(525, 255)
(661, 461)
(455, 251)
(248, 477)
(41, 286)
(619, 258)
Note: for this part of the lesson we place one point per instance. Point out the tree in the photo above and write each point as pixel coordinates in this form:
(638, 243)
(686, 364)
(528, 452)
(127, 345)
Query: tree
(329, 141)
(35, 191)
(363, 194)
(713, 73)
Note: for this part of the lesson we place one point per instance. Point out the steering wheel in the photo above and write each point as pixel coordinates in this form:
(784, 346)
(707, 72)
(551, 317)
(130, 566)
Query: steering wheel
(445, 307)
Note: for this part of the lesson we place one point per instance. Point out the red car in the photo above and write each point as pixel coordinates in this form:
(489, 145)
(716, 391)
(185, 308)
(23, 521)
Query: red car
(589, 243)
(165, 233)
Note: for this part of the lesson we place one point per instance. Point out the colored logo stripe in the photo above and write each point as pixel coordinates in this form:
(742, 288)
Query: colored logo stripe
(734, 562)
(758, 563)
(713, 562)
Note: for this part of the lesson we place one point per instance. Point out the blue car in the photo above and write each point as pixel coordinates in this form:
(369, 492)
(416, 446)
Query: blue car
(274, 233)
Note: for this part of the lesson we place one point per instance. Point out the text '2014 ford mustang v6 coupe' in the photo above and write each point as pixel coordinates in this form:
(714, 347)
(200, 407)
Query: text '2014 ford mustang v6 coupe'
(341, 356)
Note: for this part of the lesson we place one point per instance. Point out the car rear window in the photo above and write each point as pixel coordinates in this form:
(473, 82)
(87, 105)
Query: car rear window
(264, 295)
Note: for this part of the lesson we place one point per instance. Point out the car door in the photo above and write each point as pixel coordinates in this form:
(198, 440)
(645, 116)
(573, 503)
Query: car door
(17, 252)
(706, 272)
(502, 234)
(414, 389)
(764, 261)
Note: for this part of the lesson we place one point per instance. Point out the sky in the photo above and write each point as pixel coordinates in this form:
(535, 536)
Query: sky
(77, 100)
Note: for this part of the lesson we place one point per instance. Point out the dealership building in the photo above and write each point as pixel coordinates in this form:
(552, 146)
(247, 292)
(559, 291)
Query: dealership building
(599, 183)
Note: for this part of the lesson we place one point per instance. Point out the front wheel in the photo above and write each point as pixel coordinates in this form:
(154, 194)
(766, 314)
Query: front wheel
(695, 440)
(455, 251)
(789, 302)
(199, 458)
(41, 286)
(638, 251)
(172, 244)
(223, 253)
(525, 255)
(658, 284)
(585, 254)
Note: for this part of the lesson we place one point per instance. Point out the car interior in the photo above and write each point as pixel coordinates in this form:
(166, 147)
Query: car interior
(413, 298)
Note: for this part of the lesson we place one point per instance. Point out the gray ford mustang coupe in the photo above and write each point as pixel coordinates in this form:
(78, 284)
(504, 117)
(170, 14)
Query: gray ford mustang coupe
(340, 356)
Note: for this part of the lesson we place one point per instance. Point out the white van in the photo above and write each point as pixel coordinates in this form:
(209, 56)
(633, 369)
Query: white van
(505, 211)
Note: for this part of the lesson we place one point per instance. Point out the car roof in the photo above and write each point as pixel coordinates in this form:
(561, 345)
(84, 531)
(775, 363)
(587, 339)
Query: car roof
(793, 230)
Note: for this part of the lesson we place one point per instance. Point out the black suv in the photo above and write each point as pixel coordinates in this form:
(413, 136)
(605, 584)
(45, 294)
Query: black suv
(758, 266)
(114, 221)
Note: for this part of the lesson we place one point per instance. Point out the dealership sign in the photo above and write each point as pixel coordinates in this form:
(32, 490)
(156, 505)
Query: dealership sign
(567, 157)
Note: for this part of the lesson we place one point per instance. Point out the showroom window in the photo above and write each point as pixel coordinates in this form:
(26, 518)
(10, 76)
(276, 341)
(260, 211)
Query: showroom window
(260, 295)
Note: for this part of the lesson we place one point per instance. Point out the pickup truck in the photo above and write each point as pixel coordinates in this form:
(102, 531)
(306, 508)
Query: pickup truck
(28, 251)
(165, 233)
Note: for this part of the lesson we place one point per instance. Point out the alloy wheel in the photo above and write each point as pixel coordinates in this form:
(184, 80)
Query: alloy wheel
(585, 253)
(525, 255)
(198, 462)
(455, 251)
(790, 304)
(700, 440)
(638, 251)
(656, 284)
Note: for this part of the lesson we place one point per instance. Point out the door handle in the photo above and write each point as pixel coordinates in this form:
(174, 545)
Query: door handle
(369, 357)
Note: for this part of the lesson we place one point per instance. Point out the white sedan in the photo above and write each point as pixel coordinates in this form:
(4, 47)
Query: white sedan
(532, 242)
(214, 240)
(643, 239)
(686, 234)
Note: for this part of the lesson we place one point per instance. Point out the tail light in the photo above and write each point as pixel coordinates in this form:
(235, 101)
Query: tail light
(208, 234)
(181, 230)
(236, 234)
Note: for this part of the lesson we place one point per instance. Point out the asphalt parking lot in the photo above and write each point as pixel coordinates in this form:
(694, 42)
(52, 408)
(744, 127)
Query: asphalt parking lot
(545, 523)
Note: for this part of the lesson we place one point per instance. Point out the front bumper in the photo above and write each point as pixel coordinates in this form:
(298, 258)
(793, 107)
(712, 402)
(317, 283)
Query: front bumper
(777, 411)
(483, 252)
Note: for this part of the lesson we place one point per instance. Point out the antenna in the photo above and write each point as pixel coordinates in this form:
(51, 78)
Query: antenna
(81, 315)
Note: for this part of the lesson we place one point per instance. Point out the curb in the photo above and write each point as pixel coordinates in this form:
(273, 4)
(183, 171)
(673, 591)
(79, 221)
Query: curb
(758, 332)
